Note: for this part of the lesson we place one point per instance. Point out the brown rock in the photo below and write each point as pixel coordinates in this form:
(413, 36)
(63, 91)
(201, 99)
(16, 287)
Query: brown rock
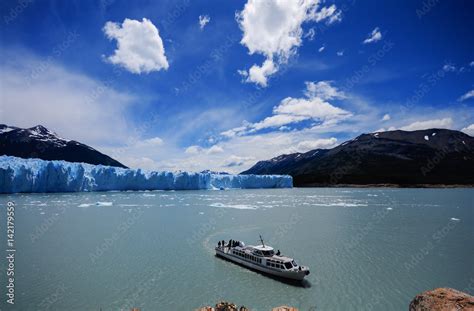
(442, 299)
(284, 308)
(224, 306)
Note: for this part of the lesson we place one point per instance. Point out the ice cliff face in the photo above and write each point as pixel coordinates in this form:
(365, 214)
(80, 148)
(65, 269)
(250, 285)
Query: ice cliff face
(34, 175)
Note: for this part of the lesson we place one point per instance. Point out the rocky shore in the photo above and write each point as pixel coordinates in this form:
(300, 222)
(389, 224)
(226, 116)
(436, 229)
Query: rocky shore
(442, 299)
(439, 299)
(228, 306)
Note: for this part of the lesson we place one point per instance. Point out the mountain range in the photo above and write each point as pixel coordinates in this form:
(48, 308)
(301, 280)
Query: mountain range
(402, 158)
(39, 142)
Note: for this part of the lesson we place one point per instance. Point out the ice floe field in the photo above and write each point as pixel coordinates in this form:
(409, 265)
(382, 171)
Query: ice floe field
(154, 249)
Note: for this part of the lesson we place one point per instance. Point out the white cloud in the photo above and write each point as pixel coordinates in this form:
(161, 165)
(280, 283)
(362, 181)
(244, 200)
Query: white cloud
(203, 21)
(386, 117)
(469, 130)
(321, 49)
(258, 74)
(323, 143)
(273, 29)
(449, 68)
(310, 34)
(151, 142)
(197, 150)
(236, 161)
(428, 124)
(330, 14)
(466, 96)
(324, 90)
(374, 36)
(293, 110)
(471, 64)
(139, 46)
(37, 91)
(340, 53)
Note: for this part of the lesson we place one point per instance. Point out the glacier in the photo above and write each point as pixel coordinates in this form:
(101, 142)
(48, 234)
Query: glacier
(35, 175)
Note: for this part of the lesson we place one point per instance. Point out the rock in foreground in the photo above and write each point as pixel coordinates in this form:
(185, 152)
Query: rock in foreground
(442, 299)
(228, 306)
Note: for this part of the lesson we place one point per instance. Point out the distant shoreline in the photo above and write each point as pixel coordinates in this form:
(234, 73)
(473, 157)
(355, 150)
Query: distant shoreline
(384, 186)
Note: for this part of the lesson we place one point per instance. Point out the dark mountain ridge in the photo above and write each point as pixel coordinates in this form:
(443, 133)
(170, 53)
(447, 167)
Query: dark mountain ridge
(39, 142)
(405, 158)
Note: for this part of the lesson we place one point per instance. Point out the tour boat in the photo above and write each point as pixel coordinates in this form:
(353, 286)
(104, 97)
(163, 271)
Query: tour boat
(261, 258)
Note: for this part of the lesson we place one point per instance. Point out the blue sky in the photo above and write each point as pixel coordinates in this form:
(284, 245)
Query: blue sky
(147, 83)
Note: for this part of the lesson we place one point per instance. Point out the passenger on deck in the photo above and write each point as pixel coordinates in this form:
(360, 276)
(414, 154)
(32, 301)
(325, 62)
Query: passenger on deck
(278, 253)
(219, 244)
(230, 244)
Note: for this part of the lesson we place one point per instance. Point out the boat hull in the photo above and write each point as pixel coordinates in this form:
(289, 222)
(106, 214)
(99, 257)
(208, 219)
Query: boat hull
(291, 275)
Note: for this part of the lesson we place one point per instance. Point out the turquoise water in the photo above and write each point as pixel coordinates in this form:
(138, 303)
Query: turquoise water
(368, 249)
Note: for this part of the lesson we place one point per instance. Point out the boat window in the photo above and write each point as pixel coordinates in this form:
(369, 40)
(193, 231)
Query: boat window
(268, 253)
(288, 265)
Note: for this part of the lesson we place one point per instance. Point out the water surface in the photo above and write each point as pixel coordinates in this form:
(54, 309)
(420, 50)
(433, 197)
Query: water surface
(366, 248)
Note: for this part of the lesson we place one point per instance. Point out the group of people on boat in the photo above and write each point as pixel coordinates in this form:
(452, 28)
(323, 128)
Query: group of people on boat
(232, 243)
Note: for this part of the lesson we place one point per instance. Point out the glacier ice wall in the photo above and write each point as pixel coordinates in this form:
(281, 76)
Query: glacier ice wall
(35, 175)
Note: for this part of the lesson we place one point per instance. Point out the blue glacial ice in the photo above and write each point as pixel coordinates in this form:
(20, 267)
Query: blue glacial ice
(35, 175)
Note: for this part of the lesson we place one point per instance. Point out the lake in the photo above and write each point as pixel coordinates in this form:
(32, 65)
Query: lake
(367, 248)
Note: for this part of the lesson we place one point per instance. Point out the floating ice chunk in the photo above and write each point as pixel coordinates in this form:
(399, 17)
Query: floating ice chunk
(34, 175)
(455, 219)
(104, 203)
(389, 208)
(237, 206)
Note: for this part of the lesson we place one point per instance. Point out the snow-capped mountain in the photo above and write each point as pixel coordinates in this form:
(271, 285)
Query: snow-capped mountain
(433, 156)
(39, 142)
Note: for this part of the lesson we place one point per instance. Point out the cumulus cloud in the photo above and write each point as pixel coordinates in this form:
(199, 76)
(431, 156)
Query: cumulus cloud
(340, 53)
(386, 117)
(203, 21)
(466, 96)
(273, 29)
(139, 46)
(321, 49)
(469, 130)
(423, 125)
(323, 90)
(258, 74)
(374, 36)
(313, 106)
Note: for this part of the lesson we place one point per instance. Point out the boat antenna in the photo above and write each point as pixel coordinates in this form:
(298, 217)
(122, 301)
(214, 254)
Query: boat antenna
(261, 240)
